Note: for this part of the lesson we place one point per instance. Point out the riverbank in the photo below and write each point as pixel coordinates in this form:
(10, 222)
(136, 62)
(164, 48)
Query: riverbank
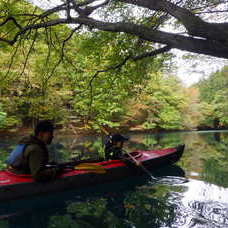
(82, 132)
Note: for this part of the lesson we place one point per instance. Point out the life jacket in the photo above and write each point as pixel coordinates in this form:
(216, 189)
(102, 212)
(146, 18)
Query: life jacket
(16, 157)
(111, 152)
(107, 141)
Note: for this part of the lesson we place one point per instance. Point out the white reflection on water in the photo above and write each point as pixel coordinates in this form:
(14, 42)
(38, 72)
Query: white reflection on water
(202, 205)
(201, 191)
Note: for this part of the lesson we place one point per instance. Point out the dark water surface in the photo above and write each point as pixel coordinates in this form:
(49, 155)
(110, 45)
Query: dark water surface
(193, 193)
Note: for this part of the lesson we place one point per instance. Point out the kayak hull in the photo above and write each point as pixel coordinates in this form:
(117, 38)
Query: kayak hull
(13, 186)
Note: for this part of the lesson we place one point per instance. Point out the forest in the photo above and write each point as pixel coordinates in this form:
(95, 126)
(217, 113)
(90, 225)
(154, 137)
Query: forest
(86, 77)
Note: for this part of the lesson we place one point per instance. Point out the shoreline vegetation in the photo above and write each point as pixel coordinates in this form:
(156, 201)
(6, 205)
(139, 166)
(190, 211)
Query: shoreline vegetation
(81, 132)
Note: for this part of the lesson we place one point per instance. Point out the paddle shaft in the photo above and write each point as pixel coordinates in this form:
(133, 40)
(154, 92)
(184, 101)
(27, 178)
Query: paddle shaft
(61, 166)
(140, 164)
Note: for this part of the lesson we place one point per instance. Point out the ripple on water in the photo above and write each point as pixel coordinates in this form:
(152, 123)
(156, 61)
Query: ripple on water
(197, 204)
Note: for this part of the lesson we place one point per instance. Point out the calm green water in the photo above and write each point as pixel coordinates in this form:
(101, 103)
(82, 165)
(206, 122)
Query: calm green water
(192, 194)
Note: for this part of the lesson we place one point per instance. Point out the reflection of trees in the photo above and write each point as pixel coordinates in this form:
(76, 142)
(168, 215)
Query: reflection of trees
(217, 139)
(128, 204)
(3, 223)
(151, 140)
(5, 149)
(87, 214)
(215, 164)
(144, 206)
(29, 219)
(82, 149)
(145, 211)
(216, 171)
(217, 136)
(140, 210)
(3, 156)
(104, 208)
(164, 140)
(154, 141)
(170, 139)
(206, 156)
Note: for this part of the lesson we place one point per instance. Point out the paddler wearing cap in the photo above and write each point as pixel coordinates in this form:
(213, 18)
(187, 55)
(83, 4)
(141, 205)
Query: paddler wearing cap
(31, 154)
(114, 146)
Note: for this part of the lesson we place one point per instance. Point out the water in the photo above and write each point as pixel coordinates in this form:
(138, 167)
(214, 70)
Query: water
(193, 193)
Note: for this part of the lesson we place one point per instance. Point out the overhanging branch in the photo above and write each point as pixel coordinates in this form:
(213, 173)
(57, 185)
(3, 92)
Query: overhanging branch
(133, 58)
(193, 24)
(13, 20)
(203, 37)
(152, 53)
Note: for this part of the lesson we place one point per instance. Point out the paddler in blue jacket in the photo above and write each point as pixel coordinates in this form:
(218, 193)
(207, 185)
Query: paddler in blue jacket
(31, 154)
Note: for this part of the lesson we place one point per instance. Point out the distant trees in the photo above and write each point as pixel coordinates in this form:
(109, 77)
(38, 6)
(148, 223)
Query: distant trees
(214, 96)
(164, 101)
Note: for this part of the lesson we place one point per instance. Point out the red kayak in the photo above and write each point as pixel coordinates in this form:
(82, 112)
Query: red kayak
(13, 186)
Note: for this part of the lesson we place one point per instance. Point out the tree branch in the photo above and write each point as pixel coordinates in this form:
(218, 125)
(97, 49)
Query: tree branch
(192, 44)
(62, 52)
(202, 37)
(152, 53)
(11, 19)
(11, 61)
(194, 25)
(68, 8)
(29, 52)
(134, 58)
(213, 11)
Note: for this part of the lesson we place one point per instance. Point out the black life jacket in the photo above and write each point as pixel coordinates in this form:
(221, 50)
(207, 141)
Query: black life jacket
(111, 152)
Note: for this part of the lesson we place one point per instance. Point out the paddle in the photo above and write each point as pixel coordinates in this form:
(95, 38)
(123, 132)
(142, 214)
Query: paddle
(91, 167)
(141, 166)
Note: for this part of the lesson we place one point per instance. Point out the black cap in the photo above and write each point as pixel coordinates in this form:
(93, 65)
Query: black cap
(118, 138)
(44, 126)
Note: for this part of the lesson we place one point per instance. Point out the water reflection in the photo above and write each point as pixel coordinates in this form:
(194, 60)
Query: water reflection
(174, 201)
(198, 204)
(170, 180)
(208, 201)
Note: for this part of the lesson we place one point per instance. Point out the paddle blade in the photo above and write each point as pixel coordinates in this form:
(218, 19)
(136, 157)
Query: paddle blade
(91, 167)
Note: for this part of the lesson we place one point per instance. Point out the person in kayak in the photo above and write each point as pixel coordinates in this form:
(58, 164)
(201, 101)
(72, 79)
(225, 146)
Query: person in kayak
(114, 146)
(31, 154)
